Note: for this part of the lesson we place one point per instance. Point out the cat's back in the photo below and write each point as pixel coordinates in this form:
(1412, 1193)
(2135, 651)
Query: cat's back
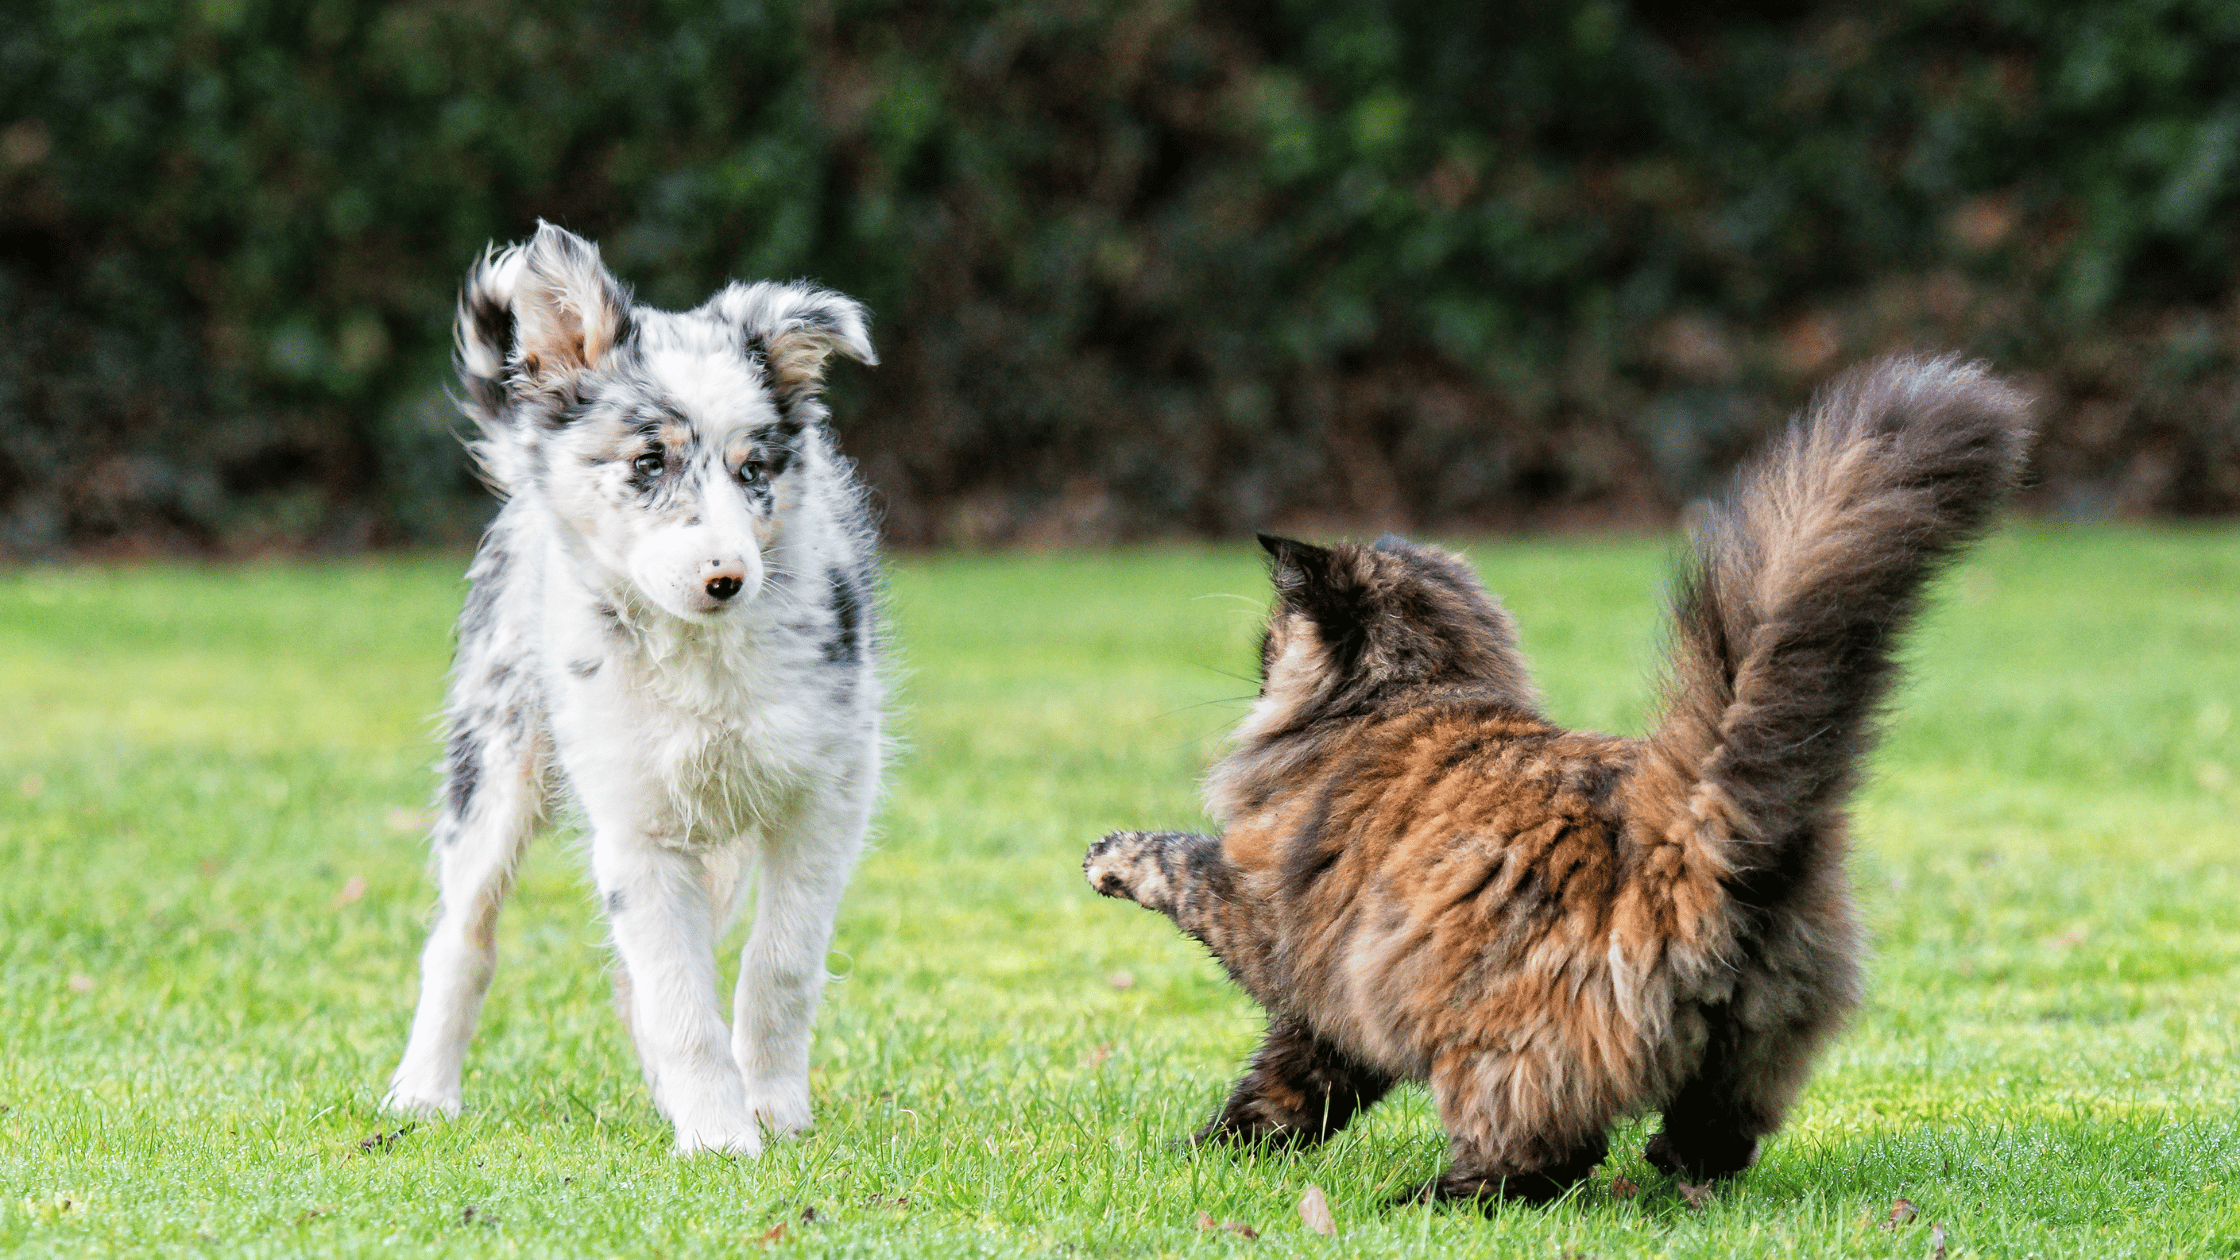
(1446, 812)
(1471, 816)
(1439, 857)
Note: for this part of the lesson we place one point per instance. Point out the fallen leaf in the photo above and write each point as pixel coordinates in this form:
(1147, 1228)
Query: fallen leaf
(308, 1215)
(1902, 1213)
(1121, 980)
(1205, 1221)
(772, 1236)
(808, 1216)
(351, 891)
(1936, 1242)
(466, 1215)
(383, 1141)
(1240, 1229)
(1314, 1209)
(80, 982)
(1623, 1188)
(1696, 1196)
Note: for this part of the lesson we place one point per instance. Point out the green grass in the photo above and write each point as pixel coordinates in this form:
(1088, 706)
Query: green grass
(197, 1014)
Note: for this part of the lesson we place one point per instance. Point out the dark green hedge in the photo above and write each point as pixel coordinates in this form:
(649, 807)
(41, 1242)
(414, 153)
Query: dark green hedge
(1138, 268)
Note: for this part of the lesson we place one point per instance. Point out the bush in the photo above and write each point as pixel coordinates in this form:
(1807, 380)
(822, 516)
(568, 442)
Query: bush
(1140, 268)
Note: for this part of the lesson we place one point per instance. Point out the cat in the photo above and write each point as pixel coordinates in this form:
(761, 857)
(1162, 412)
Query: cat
(1423, 879)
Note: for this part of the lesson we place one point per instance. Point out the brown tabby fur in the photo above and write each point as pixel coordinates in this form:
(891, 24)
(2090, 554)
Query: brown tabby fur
(1422, 879)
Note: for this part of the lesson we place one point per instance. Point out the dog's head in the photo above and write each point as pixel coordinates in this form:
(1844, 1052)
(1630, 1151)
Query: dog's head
(671, 444)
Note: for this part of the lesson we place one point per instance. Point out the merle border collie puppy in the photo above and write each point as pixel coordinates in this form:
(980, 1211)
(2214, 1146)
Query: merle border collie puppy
(671, 625)
(1421, 878)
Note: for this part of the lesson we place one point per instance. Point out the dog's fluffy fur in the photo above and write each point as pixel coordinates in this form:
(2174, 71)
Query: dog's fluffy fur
(671, 620)
(1422, 879)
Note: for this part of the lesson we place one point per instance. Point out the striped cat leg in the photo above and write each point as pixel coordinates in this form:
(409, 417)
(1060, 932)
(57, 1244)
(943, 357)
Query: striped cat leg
(1300, 1089)
(1517, 1128)
(1185, 877)
(1739, 1093)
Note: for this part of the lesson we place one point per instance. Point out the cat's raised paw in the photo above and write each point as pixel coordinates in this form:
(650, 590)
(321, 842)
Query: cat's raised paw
(1127, 864)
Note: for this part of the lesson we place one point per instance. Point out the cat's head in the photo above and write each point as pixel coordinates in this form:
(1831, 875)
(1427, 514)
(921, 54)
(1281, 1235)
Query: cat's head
(1354, 625)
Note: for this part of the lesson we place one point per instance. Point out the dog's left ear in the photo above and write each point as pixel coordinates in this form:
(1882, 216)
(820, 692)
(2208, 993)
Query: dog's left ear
(569, 311)
(795, 328)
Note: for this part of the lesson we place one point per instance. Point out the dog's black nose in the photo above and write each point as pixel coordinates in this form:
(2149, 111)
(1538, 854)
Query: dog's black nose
(722, 587)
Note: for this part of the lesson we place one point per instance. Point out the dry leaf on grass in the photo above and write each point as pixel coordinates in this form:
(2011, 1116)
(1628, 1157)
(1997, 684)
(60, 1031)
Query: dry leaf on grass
(1314, 1209)
(772, 1236)
(351, 891)
(383, 1141)
(1936, 1242)
(1623, 1188)
(1205, 1221)
(1696, 1196)
(1240, 1229)
(1902, 1212)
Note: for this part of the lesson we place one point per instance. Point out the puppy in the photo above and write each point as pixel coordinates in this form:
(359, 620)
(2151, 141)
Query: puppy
(671, 623)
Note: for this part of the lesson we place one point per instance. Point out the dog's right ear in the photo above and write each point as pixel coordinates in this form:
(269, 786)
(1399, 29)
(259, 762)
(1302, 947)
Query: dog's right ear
(569, 312)
(482, 333)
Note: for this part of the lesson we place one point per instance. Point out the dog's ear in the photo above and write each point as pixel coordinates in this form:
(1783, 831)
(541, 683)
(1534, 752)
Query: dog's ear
(794, 328)
(482, 332)
(569, 312)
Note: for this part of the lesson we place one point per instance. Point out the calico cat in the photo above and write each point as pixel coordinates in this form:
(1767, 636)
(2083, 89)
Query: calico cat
(1422, 879)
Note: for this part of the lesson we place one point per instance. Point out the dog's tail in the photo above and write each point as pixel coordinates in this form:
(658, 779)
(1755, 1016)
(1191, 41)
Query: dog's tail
(482, 340)
(1785, 621)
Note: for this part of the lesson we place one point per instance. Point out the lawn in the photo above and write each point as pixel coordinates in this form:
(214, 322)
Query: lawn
(213, 782)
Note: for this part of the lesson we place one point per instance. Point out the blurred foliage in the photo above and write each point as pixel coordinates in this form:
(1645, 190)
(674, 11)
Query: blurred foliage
(1139, 268)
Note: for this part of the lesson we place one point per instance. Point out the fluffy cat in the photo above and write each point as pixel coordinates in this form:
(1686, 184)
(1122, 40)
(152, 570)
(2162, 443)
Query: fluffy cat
(1423, 879)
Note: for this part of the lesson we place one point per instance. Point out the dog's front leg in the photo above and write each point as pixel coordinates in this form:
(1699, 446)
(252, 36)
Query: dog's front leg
(657, 908)
(781, 970)
(493, 797)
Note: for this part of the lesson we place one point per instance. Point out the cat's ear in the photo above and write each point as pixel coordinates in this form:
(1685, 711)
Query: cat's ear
(569, 311)
(1318, 582)
(1294, 566)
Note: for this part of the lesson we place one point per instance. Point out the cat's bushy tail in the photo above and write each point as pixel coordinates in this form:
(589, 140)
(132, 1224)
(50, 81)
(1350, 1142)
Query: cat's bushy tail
(1786, 619)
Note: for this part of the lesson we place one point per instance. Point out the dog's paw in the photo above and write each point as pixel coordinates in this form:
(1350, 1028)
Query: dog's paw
(422, 1099)
(1125, 865)
(724, 1139)
(782, 1107)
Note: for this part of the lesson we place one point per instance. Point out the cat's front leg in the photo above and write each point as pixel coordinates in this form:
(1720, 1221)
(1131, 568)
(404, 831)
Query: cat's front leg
(1186, 877)
(1150, 868)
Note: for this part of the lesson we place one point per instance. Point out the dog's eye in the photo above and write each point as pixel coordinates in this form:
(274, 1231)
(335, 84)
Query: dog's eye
(753, 472)
(648, 464)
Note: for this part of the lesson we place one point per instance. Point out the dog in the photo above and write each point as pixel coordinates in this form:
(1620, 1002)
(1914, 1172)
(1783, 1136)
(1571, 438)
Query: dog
(671, 627)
